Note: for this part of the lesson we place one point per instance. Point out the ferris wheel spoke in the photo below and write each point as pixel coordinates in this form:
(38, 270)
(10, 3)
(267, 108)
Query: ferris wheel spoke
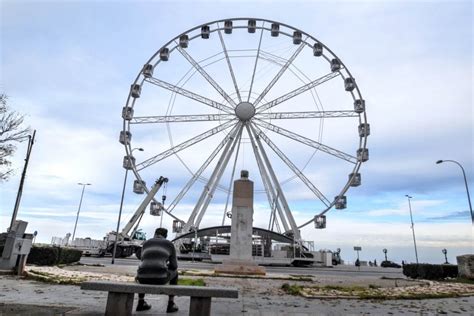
(181, 118)
(297, 91)
(308, 114)
(256, 61)
(307, 141)
(272, 196)
(189, 94)
(229, 65)
(197, 174)
(184, 145)
(207, 76)
(292, 166)
(279, 74)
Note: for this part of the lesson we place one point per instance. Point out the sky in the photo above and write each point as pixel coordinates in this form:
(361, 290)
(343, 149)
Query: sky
(68, 66)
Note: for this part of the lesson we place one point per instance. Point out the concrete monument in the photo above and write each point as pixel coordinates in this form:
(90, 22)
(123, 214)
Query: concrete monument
(240, 259)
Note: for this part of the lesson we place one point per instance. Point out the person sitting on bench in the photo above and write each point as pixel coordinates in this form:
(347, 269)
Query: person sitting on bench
(158, 266)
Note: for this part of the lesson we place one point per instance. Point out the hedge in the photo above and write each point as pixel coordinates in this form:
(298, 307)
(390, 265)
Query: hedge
(430, 271)
(48, 256)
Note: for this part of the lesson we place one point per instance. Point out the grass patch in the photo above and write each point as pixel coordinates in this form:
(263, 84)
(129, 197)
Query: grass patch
(192, 282)
(373, 286)
(53, 279)
(292, 289)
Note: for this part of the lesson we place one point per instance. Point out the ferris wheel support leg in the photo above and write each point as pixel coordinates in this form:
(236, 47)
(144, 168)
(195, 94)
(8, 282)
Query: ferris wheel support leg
(218, 178)
(269, 190)
(289, 216)
(206, 190)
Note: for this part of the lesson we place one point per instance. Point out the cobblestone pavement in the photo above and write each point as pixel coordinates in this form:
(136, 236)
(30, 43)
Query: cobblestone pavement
(257, 297)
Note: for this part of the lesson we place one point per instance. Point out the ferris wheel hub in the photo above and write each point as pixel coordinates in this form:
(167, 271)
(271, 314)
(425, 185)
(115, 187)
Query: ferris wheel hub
(245, 111)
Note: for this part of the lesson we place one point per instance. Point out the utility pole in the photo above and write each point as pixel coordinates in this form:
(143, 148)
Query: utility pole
(31, 141)
(412, 227)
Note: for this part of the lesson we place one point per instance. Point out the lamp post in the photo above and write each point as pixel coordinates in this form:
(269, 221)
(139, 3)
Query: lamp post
(79, 208)
(465, 182)
(412, 227)
(445, 252)
(385, 252)
(127, 167)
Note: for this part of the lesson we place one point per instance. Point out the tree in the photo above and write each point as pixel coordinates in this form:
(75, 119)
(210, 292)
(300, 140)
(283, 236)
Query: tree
(12, 132)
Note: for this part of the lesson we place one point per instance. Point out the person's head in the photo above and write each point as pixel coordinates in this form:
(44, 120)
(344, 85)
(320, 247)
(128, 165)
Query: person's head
(163, 232)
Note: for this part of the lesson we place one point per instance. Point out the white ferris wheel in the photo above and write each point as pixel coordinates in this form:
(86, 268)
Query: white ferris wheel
(253, 94)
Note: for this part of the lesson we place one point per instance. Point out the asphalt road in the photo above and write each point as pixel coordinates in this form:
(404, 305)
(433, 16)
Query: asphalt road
(336, 270)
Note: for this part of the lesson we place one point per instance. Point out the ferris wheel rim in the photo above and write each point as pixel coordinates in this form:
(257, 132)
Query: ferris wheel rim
(362, 116)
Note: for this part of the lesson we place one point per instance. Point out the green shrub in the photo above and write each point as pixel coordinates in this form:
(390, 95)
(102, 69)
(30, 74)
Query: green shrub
(49, 256)
(68, 255)
(43, 256)
(430, 271)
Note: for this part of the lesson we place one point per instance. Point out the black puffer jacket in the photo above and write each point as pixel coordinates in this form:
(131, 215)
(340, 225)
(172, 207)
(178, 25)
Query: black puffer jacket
(158, 256)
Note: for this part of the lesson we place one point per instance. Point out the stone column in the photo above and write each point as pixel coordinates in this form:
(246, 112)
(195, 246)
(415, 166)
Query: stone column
(240, 259)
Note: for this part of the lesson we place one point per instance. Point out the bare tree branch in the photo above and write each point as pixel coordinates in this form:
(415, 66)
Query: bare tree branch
(11, 133)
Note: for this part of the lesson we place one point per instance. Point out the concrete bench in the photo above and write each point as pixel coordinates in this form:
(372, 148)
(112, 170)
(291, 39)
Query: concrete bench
(120, 298)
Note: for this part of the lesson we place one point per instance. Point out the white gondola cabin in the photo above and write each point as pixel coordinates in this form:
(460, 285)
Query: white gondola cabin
(297, 37)
(205, 31)
(362, 154)
(125, 137)
(148, 70)
(349, 84)
(275, 31)
(318, 49)
(177, 226)
(135, 90)
(359, 106)
(183, 41)
(156, 208)
(320, 221)
(128, 162)
(127, 113)
(164, 54)
(355, 179)
(364, 129)
(335, 65)
(228, 27)
(139, 186)
(341, 202)
(252, 26)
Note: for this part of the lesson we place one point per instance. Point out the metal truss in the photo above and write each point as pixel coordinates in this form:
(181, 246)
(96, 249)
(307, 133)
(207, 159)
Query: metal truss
(308, 114)
(297, 91)
(307, 141)
(189, 94)
(183, 145)
(181, 118)
(296, 171)
(229, 65)
(207, 76)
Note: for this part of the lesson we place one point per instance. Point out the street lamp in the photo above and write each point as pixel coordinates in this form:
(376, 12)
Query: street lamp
(465, 182)
(444, 251)
(79, 208)
(127, 167)
(385, 252)
(412, 227)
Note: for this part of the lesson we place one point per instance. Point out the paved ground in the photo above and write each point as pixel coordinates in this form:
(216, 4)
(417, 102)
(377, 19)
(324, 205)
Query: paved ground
(257, 297)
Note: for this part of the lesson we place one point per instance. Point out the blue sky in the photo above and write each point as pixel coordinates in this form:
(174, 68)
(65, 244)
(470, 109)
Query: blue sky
(68, 66)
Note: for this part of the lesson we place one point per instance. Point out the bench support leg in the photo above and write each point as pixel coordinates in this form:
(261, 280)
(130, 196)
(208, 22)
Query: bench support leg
(200, 306)
(119, 304)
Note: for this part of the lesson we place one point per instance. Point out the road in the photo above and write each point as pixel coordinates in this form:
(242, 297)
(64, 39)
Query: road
(340, 270)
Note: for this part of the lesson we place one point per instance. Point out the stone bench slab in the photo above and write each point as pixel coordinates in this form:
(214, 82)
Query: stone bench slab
(179, 290)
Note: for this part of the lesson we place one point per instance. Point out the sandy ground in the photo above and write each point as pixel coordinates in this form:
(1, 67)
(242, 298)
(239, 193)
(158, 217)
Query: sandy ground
(257, 296)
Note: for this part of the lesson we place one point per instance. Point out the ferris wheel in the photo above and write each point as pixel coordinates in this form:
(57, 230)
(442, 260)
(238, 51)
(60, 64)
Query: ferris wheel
(251, 94)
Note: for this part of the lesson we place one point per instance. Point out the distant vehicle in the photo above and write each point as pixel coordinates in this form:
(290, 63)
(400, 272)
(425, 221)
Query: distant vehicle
(390, 264)
(336, 257)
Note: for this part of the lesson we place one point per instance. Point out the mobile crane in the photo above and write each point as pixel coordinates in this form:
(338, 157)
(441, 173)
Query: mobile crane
(131, 243)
